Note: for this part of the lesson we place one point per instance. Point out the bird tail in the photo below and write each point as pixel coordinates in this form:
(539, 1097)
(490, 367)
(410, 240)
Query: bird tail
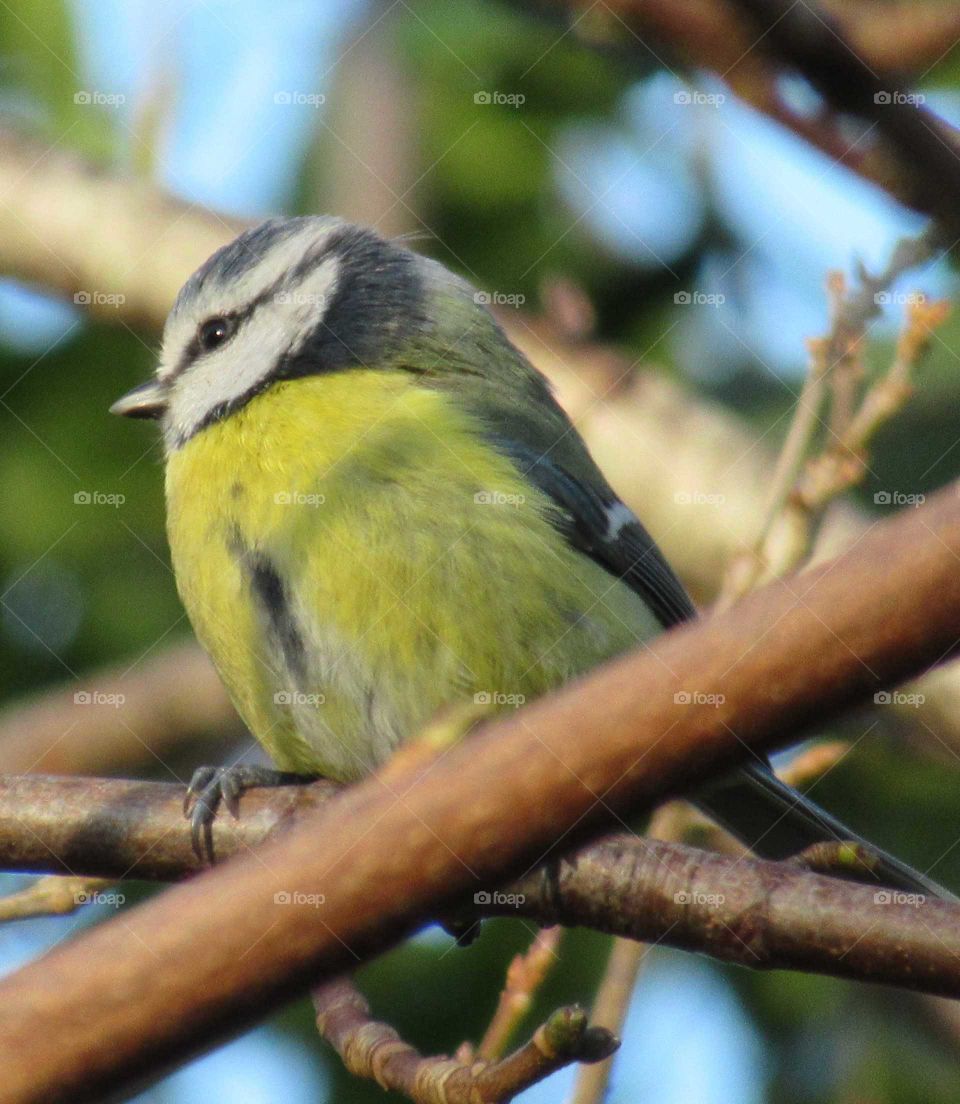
(776, 822)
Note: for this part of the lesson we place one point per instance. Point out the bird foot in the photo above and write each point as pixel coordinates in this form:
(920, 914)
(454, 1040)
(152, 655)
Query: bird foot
(210, 786)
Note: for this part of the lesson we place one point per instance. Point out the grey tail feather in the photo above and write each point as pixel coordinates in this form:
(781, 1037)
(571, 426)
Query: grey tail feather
(776, 821)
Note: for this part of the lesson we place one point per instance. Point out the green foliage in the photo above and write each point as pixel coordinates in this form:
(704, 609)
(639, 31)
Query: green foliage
(42, 76)
(103, 587)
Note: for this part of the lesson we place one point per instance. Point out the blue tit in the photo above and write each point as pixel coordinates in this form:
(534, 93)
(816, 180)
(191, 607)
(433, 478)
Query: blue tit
(377, 509)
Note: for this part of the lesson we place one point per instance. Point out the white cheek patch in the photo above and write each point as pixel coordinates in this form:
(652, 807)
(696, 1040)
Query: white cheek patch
(278, 326)
(282, 257)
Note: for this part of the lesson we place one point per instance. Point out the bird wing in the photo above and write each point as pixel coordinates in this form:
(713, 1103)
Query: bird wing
(595, 521)
(765, 813)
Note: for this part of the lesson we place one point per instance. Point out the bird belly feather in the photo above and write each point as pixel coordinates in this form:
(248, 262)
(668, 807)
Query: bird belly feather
(354, 556)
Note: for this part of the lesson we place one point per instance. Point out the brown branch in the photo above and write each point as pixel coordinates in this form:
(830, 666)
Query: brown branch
(925, 149)
(626, 886)
(113, 828)
(838, 47)
(757, 914)
(116, 718)
(374, 1050)
(215, 953)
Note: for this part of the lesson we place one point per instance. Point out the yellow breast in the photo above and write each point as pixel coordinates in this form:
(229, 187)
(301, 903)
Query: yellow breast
(353, 556)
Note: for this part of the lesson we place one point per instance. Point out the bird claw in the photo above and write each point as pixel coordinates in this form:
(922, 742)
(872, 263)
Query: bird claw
(212, 786)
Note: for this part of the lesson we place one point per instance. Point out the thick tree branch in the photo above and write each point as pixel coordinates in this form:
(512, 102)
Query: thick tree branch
(806, 37)
(635, 887)
(858, 56)
(646, 889)
(214, 954)
(114, 719)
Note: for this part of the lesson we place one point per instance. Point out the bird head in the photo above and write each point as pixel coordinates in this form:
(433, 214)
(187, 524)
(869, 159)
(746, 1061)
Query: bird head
(300, 297)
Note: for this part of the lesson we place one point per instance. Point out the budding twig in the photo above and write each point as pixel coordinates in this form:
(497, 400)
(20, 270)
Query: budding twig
(52, 896)
(804, 483)
(525, 974)
(374, 1050)
(610, 1011)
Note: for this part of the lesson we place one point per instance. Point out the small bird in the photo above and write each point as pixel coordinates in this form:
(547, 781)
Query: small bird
(377, 509)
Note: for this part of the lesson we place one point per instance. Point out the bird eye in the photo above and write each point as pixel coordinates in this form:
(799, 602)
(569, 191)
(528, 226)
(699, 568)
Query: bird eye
(214, 332)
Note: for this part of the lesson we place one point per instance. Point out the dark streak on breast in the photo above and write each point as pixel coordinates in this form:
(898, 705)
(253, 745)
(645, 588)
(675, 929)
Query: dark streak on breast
(269, 591)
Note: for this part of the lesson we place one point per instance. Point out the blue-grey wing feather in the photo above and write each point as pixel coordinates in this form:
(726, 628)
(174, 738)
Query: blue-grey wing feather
(597, 523)
(765, 813)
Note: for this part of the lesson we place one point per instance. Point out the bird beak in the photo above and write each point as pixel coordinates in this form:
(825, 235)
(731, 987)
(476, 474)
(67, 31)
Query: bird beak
(149, 400)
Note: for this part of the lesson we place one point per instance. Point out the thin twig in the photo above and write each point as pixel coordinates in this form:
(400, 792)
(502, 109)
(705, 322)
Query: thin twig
(56, 896)
(525, 974)
(841, 464)
(623, 969)
(374, 1050)
(802, 485)
(610, 1011)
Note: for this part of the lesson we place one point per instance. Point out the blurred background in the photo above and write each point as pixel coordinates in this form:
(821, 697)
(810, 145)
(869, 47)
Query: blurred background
(614, 202)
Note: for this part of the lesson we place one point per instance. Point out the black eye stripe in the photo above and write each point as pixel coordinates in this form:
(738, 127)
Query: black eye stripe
(375, 302)
(234, 319)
